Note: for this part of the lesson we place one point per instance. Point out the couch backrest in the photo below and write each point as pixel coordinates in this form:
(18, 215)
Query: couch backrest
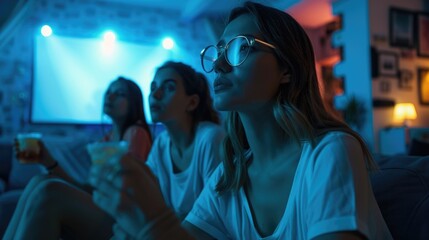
(401, 188)
(5, 160)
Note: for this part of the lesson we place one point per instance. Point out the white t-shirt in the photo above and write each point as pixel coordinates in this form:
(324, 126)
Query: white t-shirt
(180, 190)
(331, 192)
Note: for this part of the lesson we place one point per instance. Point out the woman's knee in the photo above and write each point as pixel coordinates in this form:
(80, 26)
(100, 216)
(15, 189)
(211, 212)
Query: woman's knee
(48, 193)
(36, 180)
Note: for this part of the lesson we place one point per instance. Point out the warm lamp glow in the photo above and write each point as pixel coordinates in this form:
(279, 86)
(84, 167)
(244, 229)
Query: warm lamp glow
(404, 112)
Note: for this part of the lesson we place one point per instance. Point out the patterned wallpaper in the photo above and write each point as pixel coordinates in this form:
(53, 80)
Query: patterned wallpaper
(81, 18)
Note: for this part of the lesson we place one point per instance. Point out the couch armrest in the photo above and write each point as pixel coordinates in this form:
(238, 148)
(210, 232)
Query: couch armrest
(2, 186)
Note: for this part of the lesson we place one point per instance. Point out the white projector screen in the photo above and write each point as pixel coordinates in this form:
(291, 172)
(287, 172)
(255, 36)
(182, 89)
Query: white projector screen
(71, 75)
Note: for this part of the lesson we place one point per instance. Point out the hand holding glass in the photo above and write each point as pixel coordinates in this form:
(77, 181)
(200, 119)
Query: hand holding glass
(28, 147)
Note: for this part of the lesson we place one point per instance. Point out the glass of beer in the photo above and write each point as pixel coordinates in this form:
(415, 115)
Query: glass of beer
(29, 147)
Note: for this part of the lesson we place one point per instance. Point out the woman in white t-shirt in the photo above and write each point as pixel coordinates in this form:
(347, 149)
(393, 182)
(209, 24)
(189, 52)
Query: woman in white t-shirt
(184, 156)
(290, 169)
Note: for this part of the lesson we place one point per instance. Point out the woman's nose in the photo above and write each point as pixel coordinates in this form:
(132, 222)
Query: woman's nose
(221, 65)
(111, 96)
(157, 93)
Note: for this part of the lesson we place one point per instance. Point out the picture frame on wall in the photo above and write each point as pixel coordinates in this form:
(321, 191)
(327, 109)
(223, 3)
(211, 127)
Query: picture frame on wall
(374, 63)
(387, 64)
(385, 86)
(401, 28)
(423, 34)
(423, 85)
(405, 79)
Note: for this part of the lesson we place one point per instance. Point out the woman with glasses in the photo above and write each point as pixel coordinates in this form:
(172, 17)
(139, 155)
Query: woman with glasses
(290, 170)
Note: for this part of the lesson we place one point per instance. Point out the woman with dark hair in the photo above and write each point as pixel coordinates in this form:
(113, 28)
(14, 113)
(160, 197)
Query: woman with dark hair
(129, 121)
(49, 202)
(182, 158)
(290, 170)
(185, 155)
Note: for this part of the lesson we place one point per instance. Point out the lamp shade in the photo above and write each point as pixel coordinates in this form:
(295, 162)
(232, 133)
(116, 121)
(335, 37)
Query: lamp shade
(404, 111)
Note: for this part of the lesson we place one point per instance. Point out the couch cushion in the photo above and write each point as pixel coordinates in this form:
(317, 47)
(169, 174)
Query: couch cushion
(2, 186)
(418, 148)
(8, 203)
(418, 227)
(21, 174)
(401, 188)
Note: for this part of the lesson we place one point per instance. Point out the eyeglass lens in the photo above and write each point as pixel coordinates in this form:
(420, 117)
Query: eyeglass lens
(236, 52)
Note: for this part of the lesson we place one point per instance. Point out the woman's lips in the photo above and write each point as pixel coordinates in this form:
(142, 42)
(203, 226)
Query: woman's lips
(221, 84)
(155, 108)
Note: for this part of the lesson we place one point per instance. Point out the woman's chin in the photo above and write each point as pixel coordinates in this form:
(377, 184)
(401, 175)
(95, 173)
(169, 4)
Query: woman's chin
(156, 118)
(107, 112)
(220, 105)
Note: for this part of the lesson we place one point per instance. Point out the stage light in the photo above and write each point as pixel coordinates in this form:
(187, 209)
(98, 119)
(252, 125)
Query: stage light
(168, 43)
(109, 36)
(46, 30)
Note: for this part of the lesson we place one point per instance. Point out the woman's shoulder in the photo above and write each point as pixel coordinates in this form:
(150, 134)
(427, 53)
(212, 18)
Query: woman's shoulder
(336, 138)
(333, 143)
(216, 175)
(334, 147)
(136, 132)
(209, 133)
(136, 129)
(162, 139)
(210, 128)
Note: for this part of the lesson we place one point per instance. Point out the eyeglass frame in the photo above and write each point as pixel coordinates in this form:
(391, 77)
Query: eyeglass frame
(251, 40)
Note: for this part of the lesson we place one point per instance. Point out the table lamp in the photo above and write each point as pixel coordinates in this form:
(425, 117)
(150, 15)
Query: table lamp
(405, 112)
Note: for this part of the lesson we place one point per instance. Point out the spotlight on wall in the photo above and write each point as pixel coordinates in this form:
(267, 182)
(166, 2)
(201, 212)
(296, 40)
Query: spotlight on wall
(46, 31)
(109, 36)
(168, 43)
(108, 45)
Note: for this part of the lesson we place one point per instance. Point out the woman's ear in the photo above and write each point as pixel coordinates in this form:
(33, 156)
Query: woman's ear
(194, 100)
(285, 78)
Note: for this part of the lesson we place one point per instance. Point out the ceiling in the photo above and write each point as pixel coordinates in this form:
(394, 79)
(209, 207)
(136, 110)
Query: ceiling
(310, 13)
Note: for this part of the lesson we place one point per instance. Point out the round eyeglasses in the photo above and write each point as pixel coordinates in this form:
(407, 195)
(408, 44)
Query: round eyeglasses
(235, 51)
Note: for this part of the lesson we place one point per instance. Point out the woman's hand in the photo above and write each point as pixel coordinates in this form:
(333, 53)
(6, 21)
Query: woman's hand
(128, 191)
(44, 157)
(120, 234)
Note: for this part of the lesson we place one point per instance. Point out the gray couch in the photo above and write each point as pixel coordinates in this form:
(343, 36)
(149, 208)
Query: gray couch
(401, 187)
(14, 176)
(69, 151)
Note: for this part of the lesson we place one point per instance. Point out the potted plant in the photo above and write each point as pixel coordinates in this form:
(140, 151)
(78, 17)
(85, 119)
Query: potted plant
(354, 113)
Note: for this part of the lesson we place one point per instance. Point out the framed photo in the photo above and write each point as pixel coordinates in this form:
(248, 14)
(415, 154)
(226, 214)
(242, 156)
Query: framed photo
(405, 79)
(385, 86)
(401, 28)
(387, 64)
(423, 34)
(374, 63)
(423, 85)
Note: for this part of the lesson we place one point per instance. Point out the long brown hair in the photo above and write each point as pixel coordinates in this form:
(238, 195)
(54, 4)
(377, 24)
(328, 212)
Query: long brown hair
(136, 115)
(299, 108)
(195, 83)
